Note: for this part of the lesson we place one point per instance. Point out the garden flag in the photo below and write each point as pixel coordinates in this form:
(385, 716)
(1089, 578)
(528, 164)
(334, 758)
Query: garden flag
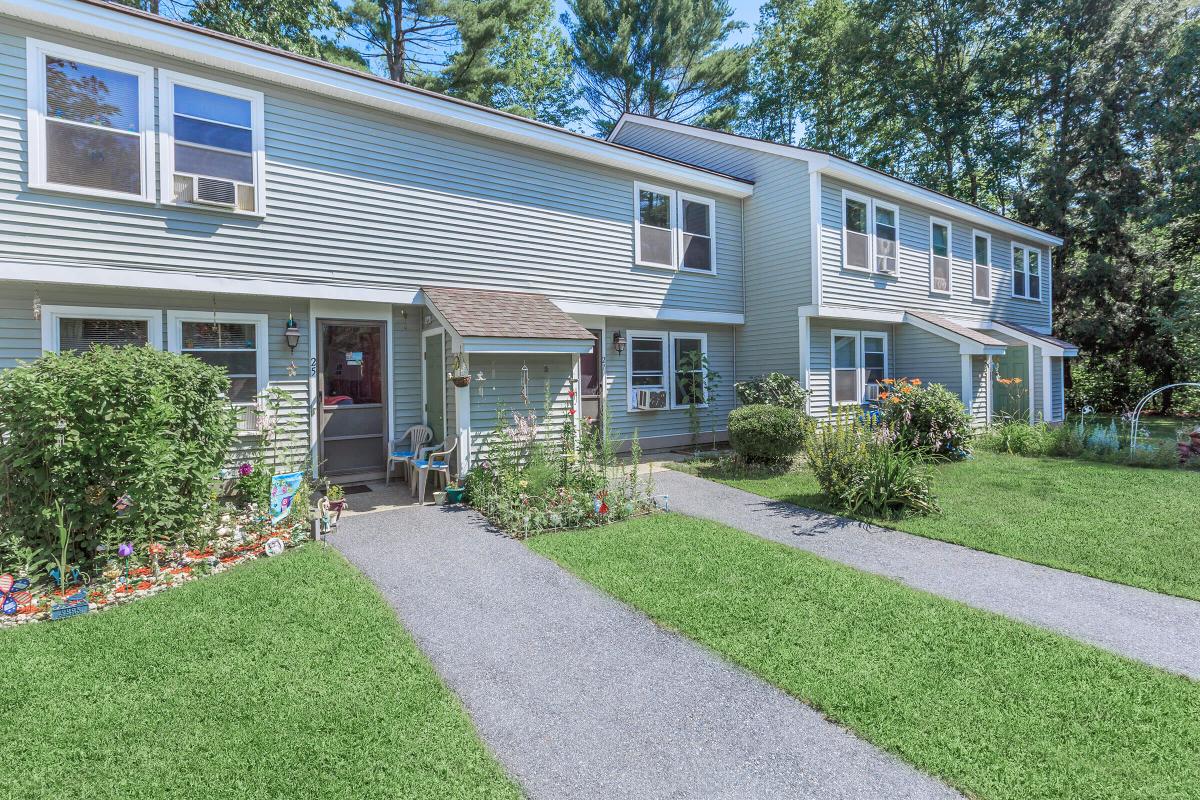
(283, 490)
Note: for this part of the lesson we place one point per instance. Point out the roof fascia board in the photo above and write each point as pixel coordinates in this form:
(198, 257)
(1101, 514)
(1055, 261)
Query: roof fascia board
(494, 344)
(129, 29)
(965, 346)
(858, 174)
(1047, 348)
(848, 312)
(638, 312)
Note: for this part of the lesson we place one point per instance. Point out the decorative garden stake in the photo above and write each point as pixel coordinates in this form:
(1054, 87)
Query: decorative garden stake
(13, 594)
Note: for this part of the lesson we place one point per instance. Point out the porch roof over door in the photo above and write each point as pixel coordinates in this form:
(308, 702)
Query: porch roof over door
(487, 321)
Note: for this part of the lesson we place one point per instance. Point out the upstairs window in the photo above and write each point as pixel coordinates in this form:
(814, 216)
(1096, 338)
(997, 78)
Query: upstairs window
(940, 272)
(655, 239)
(983, 266)
(870, 235)
(1027, 272)
(212, 144)
(697, 219)
(90, 122)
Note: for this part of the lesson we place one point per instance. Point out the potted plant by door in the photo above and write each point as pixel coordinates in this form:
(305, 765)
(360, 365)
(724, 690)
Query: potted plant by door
(336, 496)
(459, 375)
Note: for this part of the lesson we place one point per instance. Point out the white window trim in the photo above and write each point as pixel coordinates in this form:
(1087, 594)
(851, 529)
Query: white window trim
(712, 232)
(166, 114)
(1042, 261)
(895, 209)
(36, 52)
(664, 339)
(674, 336)
(673, 201)
(175, 320)
(52, 314)
(991, 265)
(949, 256)
(860, 364)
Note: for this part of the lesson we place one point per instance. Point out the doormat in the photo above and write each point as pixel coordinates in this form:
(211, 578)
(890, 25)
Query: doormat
(357, 488)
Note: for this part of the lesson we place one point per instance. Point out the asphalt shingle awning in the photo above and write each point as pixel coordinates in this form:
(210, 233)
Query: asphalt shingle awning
(1067, 348)
(516, 322)
(951, 330)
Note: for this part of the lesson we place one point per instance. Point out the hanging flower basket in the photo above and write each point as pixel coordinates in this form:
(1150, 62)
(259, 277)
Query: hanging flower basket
(460, 380)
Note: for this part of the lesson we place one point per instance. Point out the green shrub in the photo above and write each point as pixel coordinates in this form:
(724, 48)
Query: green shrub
(86, 429)
(861, 470)
(763, 434)
(772, 389)
(928, 419)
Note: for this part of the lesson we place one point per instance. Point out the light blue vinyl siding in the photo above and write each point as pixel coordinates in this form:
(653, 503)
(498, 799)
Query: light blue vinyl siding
(407, 403)
(20, 340)
(921, 354)
(1041, 413)
(368, 199)
(1058, 401)
(670, 422)
(495, 399)
(778, 253)
(911, 289)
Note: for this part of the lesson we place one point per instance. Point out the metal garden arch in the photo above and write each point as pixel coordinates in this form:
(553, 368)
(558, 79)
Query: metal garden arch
(1137, 411)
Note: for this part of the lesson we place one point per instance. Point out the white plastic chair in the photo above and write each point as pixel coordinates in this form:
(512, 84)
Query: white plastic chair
(437, 461)
(416, 435)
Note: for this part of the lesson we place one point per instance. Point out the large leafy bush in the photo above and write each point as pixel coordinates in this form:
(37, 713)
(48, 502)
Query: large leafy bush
(86, 429)
(928, 419)
(772, 389)
(862, 468)
(763, 434)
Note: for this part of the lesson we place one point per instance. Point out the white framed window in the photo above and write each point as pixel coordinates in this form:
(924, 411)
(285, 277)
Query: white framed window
(982, 276)
(941, 269)
(91, 120)
(887, 237)
(1026, 272)
(870, 235)
(235, 341)
(212, 144)
(654, 238)
(77, 328)
(647, 362)
(697, 233)
(856, 231)
(859, 361)
(687, 369)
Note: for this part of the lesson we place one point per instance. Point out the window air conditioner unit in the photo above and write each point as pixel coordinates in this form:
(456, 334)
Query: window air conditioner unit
(198, 190)
(651, 399)
(872, 391)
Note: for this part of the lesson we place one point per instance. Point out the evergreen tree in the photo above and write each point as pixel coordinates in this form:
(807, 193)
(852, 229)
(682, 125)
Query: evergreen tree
(308, 27)
(535, 58)
(660, 58)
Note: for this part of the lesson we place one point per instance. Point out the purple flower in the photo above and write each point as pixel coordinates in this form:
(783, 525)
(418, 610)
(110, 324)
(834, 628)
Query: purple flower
(125, 550)
(245, 469)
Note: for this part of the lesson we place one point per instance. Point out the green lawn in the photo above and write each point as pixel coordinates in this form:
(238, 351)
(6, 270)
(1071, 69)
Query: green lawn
(284, 678)
(999, 709)
(1130, 525)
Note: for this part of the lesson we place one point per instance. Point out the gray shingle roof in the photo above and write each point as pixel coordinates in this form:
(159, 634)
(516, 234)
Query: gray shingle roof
(503, 315)
(976, 336)
(1045, 337)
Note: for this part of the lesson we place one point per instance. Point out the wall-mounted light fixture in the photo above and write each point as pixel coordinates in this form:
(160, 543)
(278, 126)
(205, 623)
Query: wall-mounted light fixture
(291, 333)
(618, 342)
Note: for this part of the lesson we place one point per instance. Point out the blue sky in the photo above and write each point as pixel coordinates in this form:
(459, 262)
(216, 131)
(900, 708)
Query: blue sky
(744, 10)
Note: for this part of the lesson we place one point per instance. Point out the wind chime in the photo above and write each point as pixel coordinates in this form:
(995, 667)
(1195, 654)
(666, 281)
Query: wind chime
(525, 384)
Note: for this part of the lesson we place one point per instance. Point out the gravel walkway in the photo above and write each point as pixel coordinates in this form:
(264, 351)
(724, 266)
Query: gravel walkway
(1157, 629)
(582, 697)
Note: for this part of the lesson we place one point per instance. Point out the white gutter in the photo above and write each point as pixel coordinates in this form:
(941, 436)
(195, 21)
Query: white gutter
(104, 22)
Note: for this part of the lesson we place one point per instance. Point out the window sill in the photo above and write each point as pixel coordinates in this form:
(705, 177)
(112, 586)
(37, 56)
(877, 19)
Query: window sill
(712, 273)
(229, 212)
(940, 293)
(1026, 299)
(647, 265)
(94, 194)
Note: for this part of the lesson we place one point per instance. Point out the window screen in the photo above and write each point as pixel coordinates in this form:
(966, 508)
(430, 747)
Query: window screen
(230, 345)
(874, 359)
(689, 372)
(647, 362)
(1018, 275)
(654, 227)
(93, 131)
(857, 241)
(983, 267)
(79, 334)
(845, 369)
(697, 236)
(885, 240)
(939, 250)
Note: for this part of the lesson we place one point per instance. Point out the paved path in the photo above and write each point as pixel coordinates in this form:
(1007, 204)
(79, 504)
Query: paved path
(582, 697)
(1157, 629)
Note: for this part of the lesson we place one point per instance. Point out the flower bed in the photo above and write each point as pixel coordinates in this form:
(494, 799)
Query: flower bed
(240, 536)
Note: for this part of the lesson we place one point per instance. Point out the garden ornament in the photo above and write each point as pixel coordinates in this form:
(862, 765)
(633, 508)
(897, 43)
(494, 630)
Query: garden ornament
(273, 546)
(125, 550)
(13, 594)
(122, 506)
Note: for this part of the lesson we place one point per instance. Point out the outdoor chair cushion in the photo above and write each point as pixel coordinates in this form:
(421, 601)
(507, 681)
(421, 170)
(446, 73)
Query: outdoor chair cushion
(434, 465)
